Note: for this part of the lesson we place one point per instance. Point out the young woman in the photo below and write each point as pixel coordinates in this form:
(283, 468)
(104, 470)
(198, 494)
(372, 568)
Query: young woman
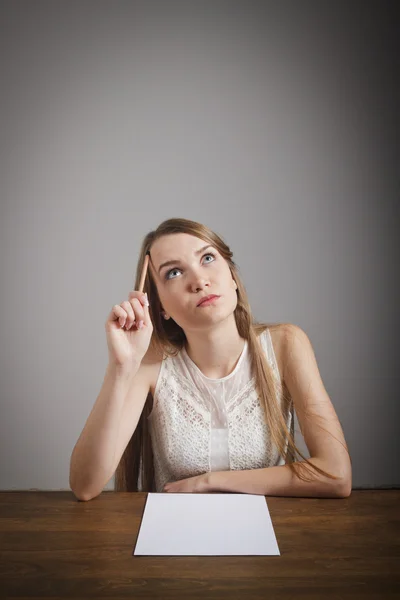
(198, 397)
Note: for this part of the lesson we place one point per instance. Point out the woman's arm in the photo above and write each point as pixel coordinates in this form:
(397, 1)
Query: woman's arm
(320, 428)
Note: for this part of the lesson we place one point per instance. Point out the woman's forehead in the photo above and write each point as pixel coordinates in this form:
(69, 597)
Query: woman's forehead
(171, 247)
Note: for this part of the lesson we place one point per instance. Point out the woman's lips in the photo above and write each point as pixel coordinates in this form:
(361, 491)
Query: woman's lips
(210, 301)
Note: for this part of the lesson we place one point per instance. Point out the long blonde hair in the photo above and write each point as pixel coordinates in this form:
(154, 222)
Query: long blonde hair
(168, 338)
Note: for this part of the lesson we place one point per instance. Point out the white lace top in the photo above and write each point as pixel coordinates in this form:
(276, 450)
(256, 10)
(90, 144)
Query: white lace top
(198, 424)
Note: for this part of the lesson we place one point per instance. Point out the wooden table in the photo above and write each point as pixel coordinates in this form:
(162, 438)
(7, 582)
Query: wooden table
(53, 546)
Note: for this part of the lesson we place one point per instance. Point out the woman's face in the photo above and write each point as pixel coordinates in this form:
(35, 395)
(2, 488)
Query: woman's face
(193, 271)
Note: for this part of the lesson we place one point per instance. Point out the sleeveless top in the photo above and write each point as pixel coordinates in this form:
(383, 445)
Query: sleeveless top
(198, 424)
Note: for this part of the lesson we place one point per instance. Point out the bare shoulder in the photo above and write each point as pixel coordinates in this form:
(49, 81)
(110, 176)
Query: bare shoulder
(152, 363)
(281, 335)
(284, 336)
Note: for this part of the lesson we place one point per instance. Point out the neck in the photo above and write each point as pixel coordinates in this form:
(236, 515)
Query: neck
(215, 351)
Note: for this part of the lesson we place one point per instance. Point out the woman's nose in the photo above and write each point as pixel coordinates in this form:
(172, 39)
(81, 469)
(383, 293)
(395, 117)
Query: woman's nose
(198, 282)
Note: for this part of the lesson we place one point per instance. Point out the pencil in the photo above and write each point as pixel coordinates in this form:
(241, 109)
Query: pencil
(144, 272)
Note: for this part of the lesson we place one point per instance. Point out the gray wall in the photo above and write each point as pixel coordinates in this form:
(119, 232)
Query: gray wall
(272, 123)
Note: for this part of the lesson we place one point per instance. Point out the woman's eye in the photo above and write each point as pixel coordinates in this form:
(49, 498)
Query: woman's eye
(167, 276)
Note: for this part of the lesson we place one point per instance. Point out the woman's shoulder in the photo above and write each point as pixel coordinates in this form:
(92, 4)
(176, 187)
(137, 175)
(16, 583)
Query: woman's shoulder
(152, 360)
(282, 335)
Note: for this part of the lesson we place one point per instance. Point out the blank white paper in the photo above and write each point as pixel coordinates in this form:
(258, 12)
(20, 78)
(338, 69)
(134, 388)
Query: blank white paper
(206, 525)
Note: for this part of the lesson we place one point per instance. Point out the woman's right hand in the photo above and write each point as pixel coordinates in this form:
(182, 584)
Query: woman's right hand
(127, 342)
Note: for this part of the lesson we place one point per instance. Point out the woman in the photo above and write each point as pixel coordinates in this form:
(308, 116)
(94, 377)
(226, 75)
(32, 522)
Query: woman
(219, 412)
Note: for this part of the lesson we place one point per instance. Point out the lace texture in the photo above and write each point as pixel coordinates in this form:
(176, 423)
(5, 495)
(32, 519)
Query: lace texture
(200, 424)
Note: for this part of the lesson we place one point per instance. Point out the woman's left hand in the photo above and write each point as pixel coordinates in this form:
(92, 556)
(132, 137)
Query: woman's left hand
(192, 485)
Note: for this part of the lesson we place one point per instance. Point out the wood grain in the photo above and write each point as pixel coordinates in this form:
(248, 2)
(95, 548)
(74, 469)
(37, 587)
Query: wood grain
(53, 546)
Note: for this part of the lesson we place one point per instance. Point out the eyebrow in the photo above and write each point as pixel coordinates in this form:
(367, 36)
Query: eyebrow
(177, 261)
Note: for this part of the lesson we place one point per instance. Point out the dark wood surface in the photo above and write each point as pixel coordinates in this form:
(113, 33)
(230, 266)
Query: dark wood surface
(54, 546)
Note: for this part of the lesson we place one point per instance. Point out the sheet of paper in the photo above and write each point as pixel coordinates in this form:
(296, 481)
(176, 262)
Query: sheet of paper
(206, 525)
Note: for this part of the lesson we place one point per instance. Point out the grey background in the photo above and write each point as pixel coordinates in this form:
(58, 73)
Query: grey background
(275, 124)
